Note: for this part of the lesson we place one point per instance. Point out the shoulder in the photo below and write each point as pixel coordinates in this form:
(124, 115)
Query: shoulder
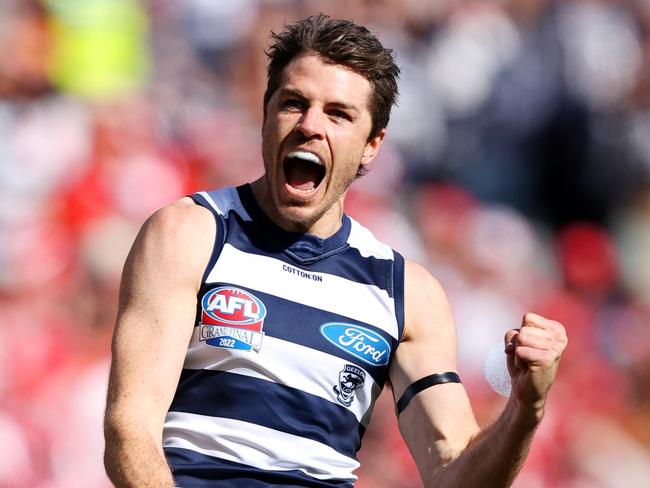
(362, 239)
(415, 275)
(176, 240)
(425, 301)
(181, 225)
(179, 218)
(420, 284)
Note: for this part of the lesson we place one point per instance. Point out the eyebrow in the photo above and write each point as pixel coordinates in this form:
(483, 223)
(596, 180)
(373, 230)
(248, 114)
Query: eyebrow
(339, 104)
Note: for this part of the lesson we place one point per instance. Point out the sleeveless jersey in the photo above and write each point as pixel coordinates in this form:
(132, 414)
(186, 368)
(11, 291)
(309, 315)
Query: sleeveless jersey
(291, 347)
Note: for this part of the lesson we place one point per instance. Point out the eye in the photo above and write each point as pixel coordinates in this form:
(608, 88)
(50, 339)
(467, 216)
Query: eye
(340, 115)
(292, 104)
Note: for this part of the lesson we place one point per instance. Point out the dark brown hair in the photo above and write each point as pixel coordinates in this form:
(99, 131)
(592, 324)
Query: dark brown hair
(342, 42)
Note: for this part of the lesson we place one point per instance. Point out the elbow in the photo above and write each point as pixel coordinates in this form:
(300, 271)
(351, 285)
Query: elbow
(111, 450)
(447, 467)
(110, 464)
(118, 438)
(450, 451)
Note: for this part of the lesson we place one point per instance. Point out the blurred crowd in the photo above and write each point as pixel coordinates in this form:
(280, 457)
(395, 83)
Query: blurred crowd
(517, 168)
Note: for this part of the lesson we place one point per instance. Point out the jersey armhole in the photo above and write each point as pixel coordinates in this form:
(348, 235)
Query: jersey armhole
(220, 235)
(398, 292)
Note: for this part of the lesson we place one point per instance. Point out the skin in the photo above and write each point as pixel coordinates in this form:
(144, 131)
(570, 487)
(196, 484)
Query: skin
(322, 108)
(438, 425)
(154, 326)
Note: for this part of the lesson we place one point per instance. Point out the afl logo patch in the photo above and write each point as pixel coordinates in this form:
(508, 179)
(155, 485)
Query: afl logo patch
(232, 318)
(362, 343)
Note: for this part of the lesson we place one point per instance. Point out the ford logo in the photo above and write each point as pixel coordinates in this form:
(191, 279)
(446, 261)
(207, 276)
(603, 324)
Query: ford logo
(361, 342)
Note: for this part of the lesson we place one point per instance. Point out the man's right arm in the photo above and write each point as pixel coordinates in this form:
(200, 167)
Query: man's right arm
(155, 321)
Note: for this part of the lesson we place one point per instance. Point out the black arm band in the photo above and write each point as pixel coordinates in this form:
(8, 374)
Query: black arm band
(423, 384)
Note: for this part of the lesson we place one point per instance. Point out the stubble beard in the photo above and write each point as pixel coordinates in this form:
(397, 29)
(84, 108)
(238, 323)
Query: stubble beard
(304, 217)
(295, 215)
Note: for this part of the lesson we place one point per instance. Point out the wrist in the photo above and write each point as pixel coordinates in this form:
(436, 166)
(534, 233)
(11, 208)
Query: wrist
(527, 414)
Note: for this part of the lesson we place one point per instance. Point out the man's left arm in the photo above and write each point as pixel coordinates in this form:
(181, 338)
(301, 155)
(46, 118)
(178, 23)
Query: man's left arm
(438, 424)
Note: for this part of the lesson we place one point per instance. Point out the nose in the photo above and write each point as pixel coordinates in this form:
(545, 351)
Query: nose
(311, 123)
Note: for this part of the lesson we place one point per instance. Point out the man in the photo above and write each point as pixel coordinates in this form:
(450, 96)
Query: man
(257, 325)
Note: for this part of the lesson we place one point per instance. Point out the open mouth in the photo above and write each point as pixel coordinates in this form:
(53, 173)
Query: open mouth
(303, 170)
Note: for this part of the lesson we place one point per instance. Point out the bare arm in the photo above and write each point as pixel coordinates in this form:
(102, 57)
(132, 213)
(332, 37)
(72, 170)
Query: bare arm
(439, 425)
(154, 325)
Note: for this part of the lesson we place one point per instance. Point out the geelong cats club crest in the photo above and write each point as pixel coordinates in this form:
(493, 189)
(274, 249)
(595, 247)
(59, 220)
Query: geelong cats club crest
(350, 379)
(232, 318)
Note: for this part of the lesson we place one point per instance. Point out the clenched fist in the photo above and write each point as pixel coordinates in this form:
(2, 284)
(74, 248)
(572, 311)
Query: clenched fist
(533, 353)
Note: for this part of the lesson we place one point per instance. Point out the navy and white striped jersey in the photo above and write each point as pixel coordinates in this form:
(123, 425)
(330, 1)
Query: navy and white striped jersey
(292, 342)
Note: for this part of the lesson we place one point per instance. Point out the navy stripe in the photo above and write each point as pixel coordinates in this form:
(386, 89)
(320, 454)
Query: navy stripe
(200, 200)
(261, 402)
(220, 233)
(195, 470)
(247, 236)
(304, 247)
(398, 292)
(300, 324)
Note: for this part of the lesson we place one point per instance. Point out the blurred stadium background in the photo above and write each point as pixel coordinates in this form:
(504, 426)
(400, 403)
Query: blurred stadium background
(517, 167)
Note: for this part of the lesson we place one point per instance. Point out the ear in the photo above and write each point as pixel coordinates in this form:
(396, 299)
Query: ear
(372, 148)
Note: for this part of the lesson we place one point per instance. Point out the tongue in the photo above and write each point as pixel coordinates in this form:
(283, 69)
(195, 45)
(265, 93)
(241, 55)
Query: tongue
(302, 175)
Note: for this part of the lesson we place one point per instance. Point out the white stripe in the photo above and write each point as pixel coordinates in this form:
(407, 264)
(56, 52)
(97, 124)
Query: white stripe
(226, 200)
(209, 199)
(261, 447)
(366, 243)
(287, 364)
(361, 302)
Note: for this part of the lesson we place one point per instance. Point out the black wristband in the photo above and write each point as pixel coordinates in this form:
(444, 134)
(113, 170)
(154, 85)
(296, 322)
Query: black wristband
(423, 384)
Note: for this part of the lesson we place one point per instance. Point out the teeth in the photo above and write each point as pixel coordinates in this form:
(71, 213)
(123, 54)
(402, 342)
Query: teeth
(307, 156)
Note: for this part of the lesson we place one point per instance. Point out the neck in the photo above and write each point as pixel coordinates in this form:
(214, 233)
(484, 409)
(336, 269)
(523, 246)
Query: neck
(323, 225)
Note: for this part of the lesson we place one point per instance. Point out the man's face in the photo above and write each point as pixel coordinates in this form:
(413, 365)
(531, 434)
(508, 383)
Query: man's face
(314, 137)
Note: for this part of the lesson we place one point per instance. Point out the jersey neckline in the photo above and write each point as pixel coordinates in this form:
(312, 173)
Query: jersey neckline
(302, 247)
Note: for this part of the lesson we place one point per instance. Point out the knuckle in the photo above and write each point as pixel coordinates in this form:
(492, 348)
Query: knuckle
(528, 317)
(546, 359)
(510, 334)
(522, 339)
(557, 355)
(556, 348)
(563, 346)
